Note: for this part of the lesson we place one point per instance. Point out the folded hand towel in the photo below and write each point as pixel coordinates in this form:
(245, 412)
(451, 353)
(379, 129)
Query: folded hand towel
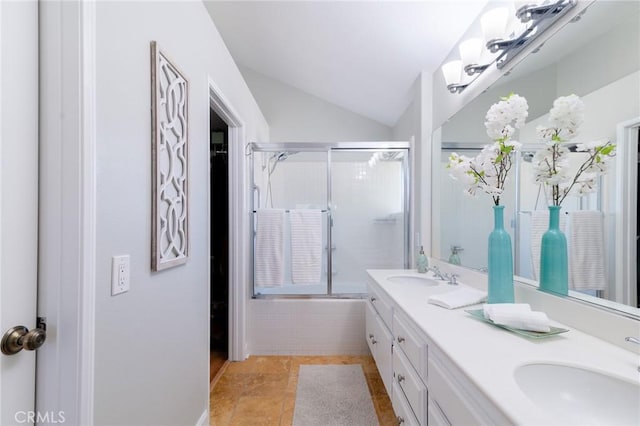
(497, 308)
(269, 248)
(462, 296)
(517, 315)
(532, 321)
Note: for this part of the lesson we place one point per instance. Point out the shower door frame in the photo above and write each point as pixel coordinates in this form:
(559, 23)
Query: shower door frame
(328, 148)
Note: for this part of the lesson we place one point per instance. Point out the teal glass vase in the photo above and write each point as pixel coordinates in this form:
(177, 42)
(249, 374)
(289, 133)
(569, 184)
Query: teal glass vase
(554, 273)
(500, 261)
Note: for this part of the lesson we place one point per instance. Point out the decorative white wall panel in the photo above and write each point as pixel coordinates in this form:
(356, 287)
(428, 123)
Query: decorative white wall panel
(169, 105)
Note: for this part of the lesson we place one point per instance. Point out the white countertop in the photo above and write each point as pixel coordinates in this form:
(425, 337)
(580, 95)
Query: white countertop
(488, 356)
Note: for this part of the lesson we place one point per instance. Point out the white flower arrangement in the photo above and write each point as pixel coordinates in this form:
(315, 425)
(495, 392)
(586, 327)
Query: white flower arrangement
(488, 170)
(551, 164)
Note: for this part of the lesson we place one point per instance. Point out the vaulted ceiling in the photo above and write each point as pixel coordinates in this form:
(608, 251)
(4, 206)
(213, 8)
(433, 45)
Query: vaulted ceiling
(363, 56)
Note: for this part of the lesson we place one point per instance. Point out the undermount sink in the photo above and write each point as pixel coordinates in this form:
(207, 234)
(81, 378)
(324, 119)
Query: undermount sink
(412, 279)
(579, 395)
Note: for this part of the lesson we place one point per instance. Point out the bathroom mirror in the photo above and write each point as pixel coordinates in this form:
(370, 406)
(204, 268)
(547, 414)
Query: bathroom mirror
(598, 58)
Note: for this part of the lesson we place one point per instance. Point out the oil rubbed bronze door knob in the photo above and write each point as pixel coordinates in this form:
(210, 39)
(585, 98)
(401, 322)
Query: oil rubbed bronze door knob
(19, 338)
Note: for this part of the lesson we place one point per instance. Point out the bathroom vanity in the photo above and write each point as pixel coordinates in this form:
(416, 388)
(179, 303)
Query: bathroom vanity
(445, 367)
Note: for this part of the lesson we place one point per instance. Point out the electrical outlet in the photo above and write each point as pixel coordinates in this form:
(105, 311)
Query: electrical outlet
(119, 274)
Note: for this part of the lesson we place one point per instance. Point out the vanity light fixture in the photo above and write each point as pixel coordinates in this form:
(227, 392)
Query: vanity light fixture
(538, 18)
(471, 53)
(452, 72)
(494, 23)
(533, 21)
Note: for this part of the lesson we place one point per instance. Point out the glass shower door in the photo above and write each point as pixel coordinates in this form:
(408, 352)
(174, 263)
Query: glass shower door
(291, 181)
(368, 201)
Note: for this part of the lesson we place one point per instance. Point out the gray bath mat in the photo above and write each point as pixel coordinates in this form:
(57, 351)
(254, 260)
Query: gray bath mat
(333, 395)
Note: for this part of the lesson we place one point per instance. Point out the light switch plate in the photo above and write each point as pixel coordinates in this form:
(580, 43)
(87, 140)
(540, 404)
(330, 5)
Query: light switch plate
(120, 274)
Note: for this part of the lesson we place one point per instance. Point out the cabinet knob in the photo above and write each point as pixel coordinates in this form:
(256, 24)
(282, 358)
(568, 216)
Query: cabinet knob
(400, 420)
(370, 335)
(373, 299)
(400, 339)
(374, 341)
(400, 378)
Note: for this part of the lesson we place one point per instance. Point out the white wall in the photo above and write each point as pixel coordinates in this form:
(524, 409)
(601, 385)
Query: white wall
(607, 58)
(409, 128)
(416, 124)
(152, 343)
(297, 116)
(467, 125)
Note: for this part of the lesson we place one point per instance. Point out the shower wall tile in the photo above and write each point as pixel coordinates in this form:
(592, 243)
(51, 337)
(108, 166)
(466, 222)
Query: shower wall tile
(307, 327)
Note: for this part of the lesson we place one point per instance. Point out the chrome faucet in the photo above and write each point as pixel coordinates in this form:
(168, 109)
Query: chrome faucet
(632, 340)
(437, 273)
(451, 278)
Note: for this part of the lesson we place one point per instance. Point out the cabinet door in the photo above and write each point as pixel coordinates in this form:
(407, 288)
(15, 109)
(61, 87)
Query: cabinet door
(384, 355)
(382, 307)
(413, 347)
(370, 327)
(451, 398)
(435, 415)
(407, 379)
(402, 409)
(380, 343)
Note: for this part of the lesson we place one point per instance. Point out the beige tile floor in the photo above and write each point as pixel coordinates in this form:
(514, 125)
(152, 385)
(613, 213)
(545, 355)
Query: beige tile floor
(262, 390)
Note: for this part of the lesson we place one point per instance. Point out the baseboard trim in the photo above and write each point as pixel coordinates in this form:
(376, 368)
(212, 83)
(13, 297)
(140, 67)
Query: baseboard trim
(218, 375)
(204, 418)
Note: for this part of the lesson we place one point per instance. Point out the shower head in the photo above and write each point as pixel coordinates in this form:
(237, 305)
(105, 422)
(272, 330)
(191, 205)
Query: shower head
(283, 155)
(278, 157)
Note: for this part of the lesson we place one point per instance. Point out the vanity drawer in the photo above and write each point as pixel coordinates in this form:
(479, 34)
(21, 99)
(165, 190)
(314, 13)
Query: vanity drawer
(401, 408)
(413, 347)
(455, 407)
(381, 306)
(412, 387)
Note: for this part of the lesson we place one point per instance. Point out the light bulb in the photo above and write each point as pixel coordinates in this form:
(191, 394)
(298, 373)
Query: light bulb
(494, 23)
(470, 51)
(452, 72)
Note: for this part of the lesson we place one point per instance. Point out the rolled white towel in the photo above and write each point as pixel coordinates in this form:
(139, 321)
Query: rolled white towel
(532, 321)
(491, 308)
(462, 296)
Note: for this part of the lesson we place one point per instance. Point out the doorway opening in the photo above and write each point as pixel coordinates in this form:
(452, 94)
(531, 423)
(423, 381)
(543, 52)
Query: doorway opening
(219, 257)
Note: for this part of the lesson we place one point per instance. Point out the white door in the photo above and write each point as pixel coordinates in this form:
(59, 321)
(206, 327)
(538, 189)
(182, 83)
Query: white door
(18, 201)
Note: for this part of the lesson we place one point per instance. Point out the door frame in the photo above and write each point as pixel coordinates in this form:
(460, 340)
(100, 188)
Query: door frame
(626, 196)
(238, 222)
(67, 220)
